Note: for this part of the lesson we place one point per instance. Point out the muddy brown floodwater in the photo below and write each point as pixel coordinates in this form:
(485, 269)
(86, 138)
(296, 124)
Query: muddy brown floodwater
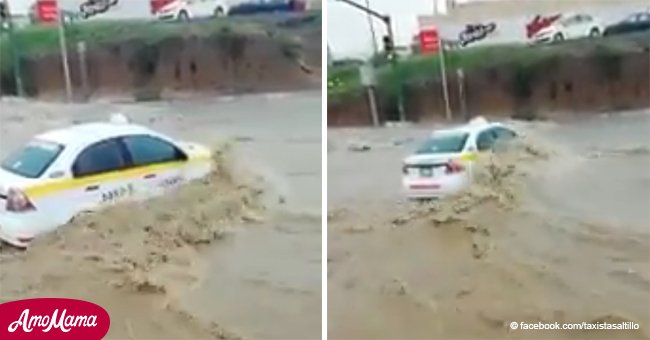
(556, 230)
(236, 256)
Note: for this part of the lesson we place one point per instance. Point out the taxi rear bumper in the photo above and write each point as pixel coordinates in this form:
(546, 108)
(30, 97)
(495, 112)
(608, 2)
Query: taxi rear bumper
(14, 231)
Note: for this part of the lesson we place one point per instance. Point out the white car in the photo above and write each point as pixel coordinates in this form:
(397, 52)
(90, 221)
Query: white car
(186, 10)
(442, 165)
(570, 27)
(63, 173)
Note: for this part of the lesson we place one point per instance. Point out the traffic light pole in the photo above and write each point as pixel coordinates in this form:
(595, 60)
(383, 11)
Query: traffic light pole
(393, 62)
(372, 30)
(64, 53)
(392, 57)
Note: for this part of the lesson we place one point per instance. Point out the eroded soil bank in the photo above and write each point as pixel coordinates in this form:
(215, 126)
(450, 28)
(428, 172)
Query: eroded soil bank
(149, 62)
(584, 76)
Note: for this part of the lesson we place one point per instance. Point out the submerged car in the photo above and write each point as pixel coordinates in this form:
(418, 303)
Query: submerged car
(637, 22)
(63, 173)
(442, 165)
(569, 27)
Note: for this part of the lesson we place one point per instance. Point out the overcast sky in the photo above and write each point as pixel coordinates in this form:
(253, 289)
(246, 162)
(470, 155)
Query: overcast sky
(349, 33)
(348, 30)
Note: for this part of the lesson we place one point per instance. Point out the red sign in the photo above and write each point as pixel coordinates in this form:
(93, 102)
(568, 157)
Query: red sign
(47, 11)
(156, 5)
(429, 40)
(52, 318)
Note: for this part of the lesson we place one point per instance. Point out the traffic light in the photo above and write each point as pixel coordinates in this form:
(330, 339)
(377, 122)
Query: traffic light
(389, 46)
(4, 11)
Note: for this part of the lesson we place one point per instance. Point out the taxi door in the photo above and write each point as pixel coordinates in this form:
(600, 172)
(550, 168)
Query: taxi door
(100, 175)
(158, 163)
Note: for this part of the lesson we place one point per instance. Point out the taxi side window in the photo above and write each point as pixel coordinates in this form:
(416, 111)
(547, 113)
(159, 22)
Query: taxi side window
(503, 134)
(98, 158)
(485, 140)
(150, 150)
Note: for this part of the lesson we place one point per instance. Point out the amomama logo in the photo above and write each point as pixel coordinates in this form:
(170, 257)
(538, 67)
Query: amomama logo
(52, 318)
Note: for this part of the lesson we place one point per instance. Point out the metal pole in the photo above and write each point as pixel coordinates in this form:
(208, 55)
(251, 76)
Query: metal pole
(389, 28)
(329, 55)
(15, 59)
(445, 90)
(83, 68)
(365, 9)
(64, 54)
(393, 60)
(461, 92)
(371, 25)
(368, 80)
(373, 106)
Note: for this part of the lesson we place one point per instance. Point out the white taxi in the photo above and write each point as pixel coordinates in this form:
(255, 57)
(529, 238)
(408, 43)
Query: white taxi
(62, 173)
(186, 10)
(442, 165)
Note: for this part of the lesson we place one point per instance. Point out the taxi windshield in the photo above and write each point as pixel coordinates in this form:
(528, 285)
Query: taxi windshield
(33, 159)
(443, 143)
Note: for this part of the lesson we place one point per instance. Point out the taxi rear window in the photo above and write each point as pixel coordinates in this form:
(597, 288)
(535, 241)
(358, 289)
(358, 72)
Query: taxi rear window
(443, 143)
(33, 159)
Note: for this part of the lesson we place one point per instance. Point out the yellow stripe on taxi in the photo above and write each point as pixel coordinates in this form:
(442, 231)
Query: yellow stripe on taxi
(468, 156)
(48, 188)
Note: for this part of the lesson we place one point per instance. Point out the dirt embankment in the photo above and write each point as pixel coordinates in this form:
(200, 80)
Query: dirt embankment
(282, 58)
(584, 78)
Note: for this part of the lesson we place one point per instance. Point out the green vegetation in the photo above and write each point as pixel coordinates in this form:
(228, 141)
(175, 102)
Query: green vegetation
(420, 69)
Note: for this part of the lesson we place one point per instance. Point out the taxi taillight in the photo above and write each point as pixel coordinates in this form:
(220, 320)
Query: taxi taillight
(17, 201)
(454, 167)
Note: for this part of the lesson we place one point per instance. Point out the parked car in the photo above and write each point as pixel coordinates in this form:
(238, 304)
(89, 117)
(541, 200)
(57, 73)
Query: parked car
(637, 22)
(266, 6)
(569, 27)
(63, 173)
(91, 8)
(185, 10)
(442, 165)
